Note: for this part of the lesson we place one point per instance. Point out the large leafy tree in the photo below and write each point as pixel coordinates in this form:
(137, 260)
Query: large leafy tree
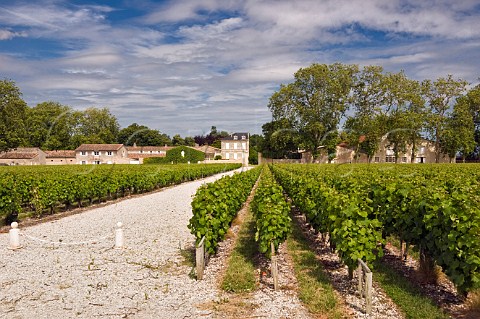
(98, 125)
(280, 139)
(405, 109)
(459, 133)
(471, 101)
(141, 135)
(13, 110)
(51, 126)
(315, 102)
(368, 124)
(440, 95)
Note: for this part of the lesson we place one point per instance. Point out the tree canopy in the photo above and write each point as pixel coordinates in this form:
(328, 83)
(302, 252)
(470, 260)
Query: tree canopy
(372, 105)
(13, 110)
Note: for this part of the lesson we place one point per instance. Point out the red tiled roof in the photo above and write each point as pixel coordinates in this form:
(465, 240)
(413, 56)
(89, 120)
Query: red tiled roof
(60, 154)
(21, 153)
(99, 147)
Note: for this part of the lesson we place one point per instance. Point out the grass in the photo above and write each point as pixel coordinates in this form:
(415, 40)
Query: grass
(315, 289)
(406, 296)
(240, 274)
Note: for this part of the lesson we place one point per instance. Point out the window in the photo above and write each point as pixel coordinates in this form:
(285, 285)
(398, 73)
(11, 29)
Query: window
(234, 155)
(244, 137)
(227, 146)
(83, 153)
(97, 162)
(404, 159)
(96, 153)
(235, 137)
(235, 146)
(244, 146)
(390, 159)
(377, 159)
(109, 153)
(227, 156)
(84, 162)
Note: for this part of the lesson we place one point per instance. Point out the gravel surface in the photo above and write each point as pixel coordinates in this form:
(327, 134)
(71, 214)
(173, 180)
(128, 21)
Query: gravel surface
(69, 268)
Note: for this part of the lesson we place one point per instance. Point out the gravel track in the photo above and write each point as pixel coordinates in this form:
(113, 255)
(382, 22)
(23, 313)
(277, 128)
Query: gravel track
(68, 268)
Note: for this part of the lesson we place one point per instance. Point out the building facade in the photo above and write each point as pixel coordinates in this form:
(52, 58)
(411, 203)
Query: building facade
(235, 148)
(23, 156)
(101, 154)
(60, 157)
(425, 153)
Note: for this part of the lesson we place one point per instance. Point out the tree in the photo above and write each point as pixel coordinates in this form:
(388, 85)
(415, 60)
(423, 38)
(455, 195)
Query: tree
(315, 102)
(98, 126)
(405, 110)
(255, 142)
(50, 126)
(213, 138)
(472, 102)
(440, 94)
(189, 141)
(280, 140)
(177, 140)
(13, 112)
(367, 126)
(459, 133)
(141, 135)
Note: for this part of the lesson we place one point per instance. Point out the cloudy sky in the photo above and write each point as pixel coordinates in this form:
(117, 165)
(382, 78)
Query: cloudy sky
(183, 66)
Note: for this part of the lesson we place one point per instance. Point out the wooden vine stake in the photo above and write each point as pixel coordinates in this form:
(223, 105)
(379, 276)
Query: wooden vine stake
(365, 284)
(200, 258)
(274, 267)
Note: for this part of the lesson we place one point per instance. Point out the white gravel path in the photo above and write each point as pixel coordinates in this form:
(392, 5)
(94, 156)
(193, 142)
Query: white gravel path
(68, 268)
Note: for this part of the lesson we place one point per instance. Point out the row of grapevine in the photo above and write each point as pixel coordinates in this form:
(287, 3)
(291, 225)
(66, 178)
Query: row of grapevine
(435, 208)
(271, 212)
(344, 216)
(215, 205)
(39, 188)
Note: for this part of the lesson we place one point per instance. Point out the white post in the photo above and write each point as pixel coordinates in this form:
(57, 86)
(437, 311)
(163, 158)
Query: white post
(119, 236)
(274, 267)
(200, 258)
(14, 236)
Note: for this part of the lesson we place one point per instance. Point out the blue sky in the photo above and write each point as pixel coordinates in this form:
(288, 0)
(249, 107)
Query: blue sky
(183, 66)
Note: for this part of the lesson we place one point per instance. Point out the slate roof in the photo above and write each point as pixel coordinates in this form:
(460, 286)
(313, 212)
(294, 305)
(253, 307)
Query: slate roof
(231, 137)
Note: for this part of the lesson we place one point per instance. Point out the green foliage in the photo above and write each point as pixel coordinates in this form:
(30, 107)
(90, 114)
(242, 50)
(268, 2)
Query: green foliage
(141, 135)
(175, 155)
(435, 208)
(271, 212)
(12, 116)
(45, 187)
(314, 102)
(215, 205)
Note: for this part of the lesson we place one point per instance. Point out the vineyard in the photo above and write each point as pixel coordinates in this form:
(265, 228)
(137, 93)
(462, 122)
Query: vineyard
(435, 208)
(40, 190)
(356, 209)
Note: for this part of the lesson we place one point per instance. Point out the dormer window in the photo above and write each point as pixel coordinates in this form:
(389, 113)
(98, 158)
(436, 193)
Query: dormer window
(235, 137)
(244, 137)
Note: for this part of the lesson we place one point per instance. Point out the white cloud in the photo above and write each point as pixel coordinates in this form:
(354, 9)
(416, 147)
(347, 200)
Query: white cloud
(8, 35)
(176, 64)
